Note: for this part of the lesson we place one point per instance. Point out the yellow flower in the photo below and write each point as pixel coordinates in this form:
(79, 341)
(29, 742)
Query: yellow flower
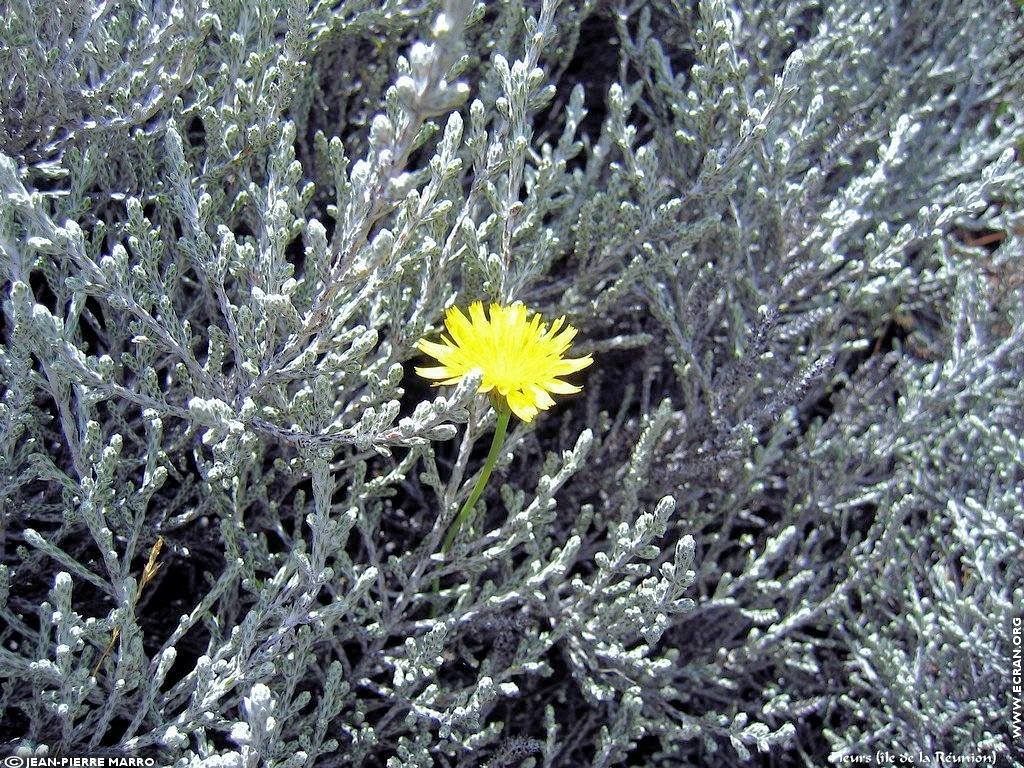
(520, 360)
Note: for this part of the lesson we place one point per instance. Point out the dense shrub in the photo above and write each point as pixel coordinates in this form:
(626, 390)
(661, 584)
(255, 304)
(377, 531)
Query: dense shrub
(783, 519)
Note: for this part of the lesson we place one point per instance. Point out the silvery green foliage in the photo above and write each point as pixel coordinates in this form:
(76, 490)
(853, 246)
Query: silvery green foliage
(782, 522)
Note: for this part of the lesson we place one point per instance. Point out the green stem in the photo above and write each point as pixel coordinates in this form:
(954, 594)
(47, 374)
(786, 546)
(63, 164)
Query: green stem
(492, 458)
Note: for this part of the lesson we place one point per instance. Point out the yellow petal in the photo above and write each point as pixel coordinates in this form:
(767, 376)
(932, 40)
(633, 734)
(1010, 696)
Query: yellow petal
(559, 322)
(438, 372)
(522, 406)
(560, 387)
(432, 348)
(541, 398)
(571, 365)
(476, 314)
(564, 338)
(458, 326)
